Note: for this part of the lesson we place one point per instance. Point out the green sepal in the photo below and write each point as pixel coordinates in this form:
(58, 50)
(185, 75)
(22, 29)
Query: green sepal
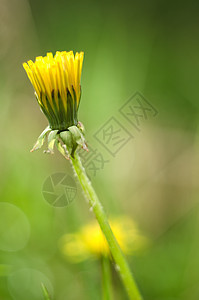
(81, 127)
(51, 140)
(78, 136)
(62, 149)
(67, 139)
(41, 139)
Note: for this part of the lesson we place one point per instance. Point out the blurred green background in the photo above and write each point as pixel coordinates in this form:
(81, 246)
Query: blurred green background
(147, 46)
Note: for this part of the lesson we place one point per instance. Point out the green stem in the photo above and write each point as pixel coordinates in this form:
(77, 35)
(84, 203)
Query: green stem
(106, 278)
(120, 261)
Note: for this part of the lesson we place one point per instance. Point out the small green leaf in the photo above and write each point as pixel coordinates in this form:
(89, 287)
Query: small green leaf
(45, 292)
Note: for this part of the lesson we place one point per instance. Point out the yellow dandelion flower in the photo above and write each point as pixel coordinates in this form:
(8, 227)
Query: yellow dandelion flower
(56, 81)
(90, 241)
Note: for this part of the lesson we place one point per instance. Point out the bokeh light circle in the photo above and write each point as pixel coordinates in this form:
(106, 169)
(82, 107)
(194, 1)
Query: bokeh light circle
(14, 228)
(27, 284)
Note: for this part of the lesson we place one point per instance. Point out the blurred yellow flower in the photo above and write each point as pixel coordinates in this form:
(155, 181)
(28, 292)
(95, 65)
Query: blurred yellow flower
(56, 81)
(89, 240)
